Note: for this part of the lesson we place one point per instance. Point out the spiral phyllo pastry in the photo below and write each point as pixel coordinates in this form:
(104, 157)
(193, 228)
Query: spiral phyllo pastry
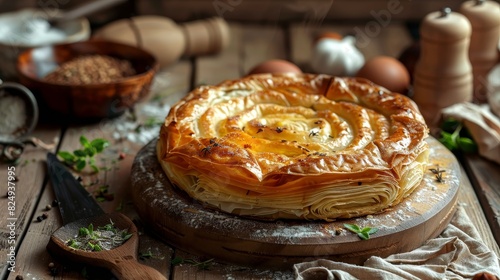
(295, 146)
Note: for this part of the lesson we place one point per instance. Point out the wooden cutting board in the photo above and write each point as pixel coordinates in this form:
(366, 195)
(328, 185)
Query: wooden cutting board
(185, 224)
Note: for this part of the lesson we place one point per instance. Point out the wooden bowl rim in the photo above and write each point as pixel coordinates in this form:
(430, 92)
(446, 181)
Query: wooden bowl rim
(139, 77)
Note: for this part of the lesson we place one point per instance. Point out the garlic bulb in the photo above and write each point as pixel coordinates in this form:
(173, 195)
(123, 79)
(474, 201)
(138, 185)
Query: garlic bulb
(337, 57)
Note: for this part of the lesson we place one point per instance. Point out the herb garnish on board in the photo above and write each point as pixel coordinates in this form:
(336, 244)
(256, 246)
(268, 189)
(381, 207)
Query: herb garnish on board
(363, 233)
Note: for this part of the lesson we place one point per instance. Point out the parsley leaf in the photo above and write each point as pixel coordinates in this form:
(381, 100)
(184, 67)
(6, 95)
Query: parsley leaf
(85, 156)
(456, 137)
(363, 233)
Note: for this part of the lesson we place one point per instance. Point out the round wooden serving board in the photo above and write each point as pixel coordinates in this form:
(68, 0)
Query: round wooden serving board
(186, 224)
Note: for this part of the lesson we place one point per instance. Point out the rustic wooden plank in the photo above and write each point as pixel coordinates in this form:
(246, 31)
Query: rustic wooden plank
(260, 43)
(472, 206)
(9, 6)
(127, 135)
(30, 173)
(486, 182)
(390, 40)
(33, 257)
(213, 69)
(283, 10)
(215, 270)
(249, 45)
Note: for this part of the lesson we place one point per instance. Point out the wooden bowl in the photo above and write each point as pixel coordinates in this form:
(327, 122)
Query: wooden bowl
(86, 101)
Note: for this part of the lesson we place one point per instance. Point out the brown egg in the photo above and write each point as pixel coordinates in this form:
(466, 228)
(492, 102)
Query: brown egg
(275, 66)
(328, 35)
(387, 72)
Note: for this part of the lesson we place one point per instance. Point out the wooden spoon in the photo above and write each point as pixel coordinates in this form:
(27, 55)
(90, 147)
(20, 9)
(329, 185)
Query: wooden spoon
(121, 261)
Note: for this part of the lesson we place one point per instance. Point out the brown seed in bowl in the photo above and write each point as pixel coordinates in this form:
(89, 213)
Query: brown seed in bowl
(91, 69)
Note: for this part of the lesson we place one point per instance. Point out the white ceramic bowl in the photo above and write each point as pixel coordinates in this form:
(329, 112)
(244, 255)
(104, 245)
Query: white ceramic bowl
(27, 28)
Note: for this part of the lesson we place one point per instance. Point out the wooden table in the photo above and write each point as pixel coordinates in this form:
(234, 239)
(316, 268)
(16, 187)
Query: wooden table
(249, 45)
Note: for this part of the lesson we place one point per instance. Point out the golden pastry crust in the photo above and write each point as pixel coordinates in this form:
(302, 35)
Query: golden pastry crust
(295, 146)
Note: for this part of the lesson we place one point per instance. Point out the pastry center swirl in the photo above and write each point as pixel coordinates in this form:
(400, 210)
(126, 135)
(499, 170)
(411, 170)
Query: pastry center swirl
(315, 125)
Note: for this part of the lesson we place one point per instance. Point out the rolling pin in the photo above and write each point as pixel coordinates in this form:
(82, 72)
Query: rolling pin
(167, 40)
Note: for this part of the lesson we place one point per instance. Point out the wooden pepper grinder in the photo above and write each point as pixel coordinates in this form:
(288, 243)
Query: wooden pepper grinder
(167, 40)
(484, 17)
(443, 72)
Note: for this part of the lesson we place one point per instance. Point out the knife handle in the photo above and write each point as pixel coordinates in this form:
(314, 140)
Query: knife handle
(131, 270)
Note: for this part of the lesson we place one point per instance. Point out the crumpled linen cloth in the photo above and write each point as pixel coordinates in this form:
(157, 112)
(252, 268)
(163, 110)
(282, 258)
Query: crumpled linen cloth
(482, 124)
(457, 253)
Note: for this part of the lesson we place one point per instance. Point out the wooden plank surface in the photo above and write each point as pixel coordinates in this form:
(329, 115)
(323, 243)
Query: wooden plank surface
(260, 43)
(284, 10)
(114, 175)
(485, 178)
(30, 174)
(211, 70)
(127, 134)
(473, 208)
(249, 45)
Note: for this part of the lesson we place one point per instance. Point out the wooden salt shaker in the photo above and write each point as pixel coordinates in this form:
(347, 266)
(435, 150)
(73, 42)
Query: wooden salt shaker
(167, 40)
(443, 72)
(484, 17)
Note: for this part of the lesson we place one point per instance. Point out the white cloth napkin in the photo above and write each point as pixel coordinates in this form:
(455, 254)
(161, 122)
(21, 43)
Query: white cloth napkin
(457, 253)
(482, 124)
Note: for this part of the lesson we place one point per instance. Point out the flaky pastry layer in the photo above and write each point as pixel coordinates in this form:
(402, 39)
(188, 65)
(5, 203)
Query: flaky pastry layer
(295, 146)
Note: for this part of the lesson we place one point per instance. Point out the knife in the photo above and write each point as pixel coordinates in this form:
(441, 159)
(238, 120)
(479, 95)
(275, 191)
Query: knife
(78, 210)
(75, 202)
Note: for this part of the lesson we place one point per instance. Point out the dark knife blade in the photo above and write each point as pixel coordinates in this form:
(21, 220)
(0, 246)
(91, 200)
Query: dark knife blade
(75, 202)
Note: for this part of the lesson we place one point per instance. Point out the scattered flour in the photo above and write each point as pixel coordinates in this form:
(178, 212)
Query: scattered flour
(125, 127)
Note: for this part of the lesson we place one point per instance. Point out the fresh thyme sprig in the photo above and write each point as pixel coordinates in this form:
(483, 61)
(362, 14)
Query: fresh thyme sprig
(149, 255)
(439, 174)
(102, 194)
(204, 265)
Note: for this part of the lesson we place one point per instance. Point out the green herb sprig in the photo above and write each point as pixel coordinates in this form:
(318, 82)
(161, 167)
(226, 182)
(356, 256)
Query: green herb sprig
(363, 233)
(87, 231)
(204, 265)
(149, 255)
(149, 123)
(80, 158)
(455, 137)
(102, 194)
(102, 238)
